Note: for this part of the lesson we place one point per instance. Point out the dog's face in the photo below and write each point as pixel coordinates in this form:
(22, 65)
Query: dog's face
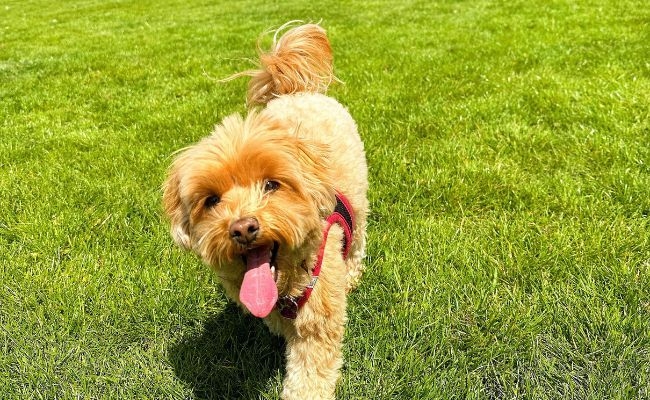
(251, 190)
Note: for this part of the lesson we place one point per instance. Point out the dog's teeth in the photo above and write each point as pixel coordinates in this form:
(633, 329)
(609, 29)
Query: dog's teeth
(273, 269)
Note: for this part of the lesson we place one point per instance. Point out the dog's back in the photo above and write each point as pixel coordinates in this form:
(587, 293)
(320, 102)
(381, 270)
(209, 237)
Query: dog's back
(292, 79)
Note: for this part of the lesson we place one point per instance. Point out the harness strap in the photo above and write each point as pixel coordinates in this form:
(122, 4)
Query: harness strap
(342, 215)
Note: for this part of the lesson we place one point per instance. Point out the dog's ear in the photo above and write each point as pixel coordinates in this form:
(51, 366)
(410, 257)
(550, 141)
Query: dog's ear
(175, 209)
(318, 181)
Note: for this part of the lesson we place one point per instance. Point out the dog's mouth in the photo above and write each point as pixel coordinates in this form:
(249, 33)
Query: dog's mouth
(272, 257)
(259, 292)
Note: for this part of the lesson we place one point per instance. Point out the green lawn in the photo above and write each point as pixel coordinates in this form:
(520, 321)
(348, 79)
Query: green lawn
(509, 240)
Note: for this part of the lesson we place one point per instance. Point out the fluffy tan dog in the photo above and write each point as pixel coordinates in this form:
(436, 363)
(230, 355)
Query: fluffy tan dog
(276, 204)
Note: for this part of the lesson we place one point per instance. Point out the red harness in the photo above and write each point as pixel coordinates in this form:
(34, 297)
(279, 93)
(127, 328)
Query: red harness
(342, 215)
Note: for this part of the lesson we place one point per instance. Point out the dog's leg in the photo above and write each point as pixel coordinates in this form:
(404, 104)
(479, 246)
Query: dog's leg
(313, 365)
(314, 355)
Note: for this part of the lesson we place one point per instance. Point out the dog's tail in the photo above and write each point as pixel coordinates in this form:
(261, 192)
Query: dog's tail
(299, 61)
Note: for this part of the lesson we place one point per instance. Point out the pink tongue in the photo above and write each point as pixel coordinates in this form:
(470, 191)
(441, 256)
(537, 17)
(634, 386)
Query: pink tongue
(258, 290)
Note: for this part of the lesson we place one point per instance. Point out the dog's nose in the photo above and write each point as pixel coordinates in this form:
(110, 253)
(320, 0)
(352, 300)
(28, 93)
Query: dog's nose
(244, 230)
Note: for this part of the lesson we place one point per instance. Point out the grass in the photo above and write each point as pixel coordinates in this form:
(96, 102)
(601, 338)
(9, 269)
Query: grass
(509, 242)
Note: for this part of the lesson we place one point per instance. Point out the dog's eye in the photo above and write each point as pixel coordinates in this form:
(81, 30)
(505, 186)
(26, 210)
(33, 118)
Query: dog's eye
(211, 201)
(271, 186)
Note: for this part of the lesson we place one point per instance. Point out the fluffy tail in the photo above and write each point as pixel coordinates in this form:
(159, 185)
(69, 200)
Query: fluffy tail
(299, 61)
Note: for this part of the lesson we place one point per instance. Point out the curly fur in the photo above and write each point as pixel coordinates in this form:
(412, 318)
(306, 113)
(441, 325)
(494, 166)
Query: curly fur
(307, 143)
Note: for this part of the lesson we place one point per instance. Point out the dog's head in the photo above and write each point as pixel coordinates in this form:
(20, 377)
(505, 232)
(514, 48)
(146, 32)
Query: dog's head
(252, 192)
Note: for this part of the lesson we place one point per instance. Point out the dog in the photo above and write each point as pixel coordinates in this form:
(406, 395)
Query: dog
(276, 203)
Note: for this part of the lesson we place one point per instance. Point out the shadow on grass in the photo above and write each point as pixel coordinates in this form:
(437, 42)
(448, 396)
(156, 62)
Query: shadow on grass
(234, 356)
